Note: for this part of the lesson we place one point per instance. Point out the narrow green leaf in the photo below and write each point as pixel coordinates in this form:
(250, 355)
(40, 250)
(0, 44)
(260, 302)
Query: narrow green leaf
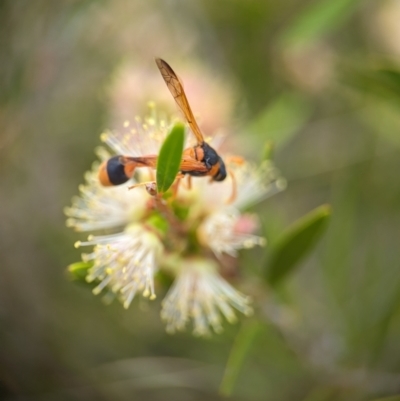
(169, 158)
(317, 20)
(383, 83)
(237, 355)
(78, 271)
(296, 242)
(283, 118)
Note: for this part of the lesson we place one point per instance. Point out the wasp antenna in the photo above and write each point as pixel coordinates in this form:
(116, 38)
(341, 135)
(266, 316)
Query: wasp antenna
(238, 160)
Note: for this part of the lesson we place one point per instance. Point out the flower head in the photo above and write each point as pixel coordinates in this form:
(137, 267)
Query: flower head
(125, 262)
(222, 233)
(133, 233)
(200, 294)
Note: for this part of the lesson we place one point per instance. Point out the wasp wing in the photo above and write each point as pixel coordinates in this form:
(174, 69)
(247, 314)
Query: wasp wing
(144, 161)
(176, 88)
(190, 164)
(187, 164)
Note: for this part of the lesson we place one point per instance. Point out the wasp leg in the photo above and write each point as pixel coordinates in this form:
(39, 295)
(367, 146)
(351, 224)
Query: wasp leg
(142, 184)
(235, 160)
(234, 188)
(181, 176)
(175, 185)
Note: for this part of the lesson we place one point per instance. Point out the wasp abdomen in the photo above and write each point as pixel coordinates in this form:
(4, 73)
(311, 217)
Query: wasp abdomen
(112, 172)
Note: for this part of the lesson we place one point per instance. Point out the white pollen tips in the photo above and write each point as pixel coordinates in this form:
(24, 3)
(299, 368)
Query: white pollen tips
(200, 296)
(104, 137)
(125, 263)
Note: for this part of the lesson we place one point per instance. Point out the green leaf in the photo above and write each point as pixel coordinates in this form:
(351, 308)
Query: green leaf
(169, 159)
(296, 242)
(158, 223)
(379, 92)
(383, 83)
(240, 348)
(317, 20)
(283, 118)
(78, 271)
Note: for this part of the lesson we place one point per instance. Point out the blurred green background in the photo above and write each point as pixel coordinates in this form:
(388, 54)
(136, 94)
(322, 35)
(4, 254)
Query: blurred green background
(321, 79)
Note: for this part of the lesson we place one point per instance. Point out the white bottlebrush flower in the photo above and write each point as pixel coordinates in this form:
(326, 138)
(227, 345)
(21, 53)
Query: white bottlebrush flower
(145, 231)
(222, 232)
(251, 184)
(99, 208)
(220, 227)
(125, 262)
(199, 294)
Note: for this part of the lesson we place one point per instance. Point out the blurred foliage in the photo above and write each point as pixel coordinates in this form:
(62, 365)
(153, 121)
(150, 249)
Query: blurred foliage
(318, 19)
(237, 355)
(283, 118)
(319, 78)
(295, 243)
